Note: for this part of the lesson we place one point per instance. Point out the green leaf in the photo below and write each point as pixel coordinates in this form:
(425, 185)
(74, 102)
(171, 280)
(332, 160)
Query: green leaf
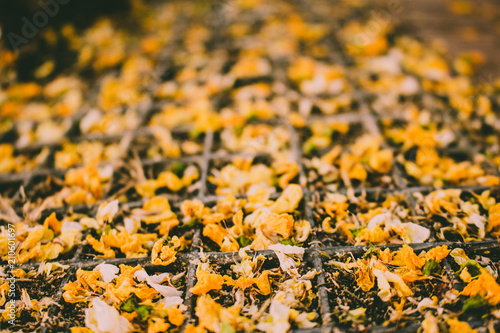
(144, 311)
(253, 116)
(355, 232)
(309, 147)
(153, 151)
(244, 240)
(132, 304)
(178, 168)
(357, 315)
(239, 130)
(373, 251)
(393, 141)
(474, 303)
(107, 230)
(431, 266)
(227, 328)
(275, 181)
(195, 133)
(473, 268)
(193, 222)
(328, 131)
(289, 241)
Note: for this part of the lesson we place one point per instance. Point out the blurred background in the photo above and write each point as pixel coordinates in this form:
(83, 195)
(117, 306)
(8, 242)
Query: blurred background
(80, 14)
(470, 26)
(463, 25)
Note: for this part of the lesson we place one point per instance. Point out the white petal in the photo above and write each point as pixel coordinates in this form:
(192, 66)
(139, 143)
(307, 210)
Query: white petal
(90, 119)
(131, 225)
(170, 301)
(279, 314)
(165, 291)
(409, 86)
(459, 256)
(416, 233)
(141, 275)
(107, 211)
(108, 271)
(67, 225)
(426, 303)
(287, 263)
(383, 285)
(103, 318)
(303, 321)
(479, 221)
(159, 278)
(287, 249)
(378, 220)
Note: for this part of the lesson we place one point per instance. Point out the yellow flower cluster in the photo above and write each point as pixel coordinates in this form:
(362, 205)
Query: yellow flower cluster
(131, 294)
(16, 163)
(44, 242)
(243, 176)
(364, 160)
(264, 223)
(167, 179)
(471, 219)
